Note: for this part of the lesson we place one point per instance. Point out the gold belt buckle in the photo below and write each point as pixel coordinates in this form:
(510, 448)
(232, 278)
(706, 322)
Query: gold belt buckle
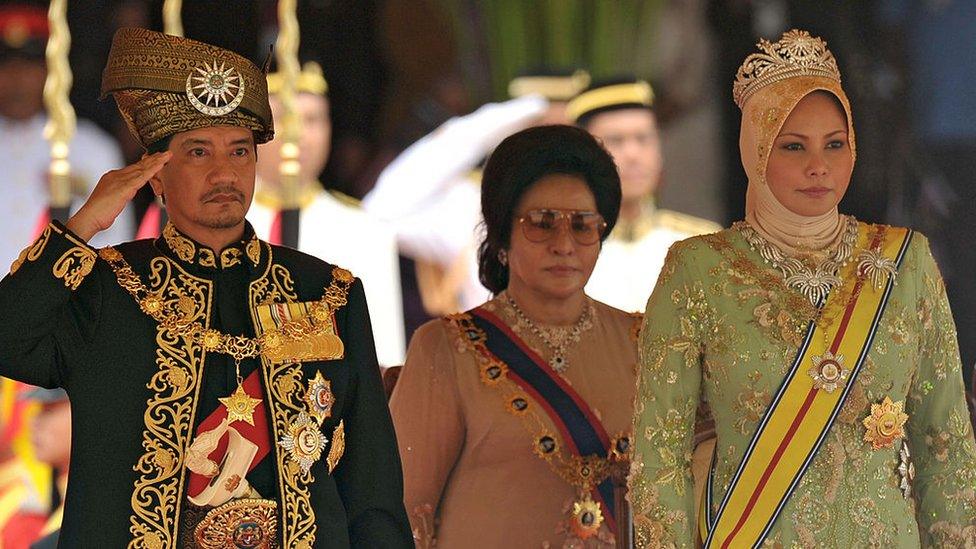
(242, 524)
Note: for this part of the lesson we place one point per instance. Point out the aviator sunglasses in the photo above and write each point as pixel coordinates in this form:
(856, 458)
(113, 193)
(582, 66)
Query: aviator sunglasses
(540, 225)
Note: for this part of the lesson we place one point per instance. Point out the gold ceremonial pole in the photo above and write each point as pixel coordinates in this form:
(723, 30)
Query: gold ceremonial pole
(172, 17)
(61, 122)
(286, 53)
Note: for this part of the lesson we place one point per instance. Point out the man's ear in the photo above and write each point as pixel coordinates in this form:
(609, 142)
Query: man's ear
(155, 182)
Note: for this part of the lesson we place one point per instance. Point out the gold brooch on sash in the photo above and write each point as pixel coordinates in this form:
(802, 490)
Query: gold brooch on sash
(586, 518)
(304, 442)
(251, 523)
(319, 398)
(886, 424)
(828, 372)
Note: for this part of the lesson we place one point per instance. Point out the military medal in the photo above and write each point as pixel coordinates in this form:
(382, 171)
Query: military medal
(240, 406)
(586, 518)
(886, 424)
(319, 398)
(304, 442)
(828, 372)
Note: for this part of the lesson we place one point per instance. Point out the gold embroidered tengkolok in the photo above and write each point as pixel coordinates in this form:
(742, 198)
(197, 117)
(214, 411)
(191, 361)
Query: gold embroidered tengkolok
(795, 54)
(167, 84)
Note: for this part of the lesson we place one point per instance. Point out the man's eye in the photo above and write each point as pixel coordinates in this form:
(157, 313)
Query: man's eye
(197, 152)
(243, 151)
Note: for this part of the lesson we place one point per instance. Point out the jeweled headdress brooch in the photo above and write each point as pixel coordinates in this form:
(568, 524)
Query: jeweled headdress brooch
(796, 54)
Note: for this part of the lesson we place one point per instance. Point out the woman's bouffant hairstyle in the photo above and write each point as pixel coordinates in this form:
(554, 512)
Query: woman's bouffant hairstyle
(523, 159)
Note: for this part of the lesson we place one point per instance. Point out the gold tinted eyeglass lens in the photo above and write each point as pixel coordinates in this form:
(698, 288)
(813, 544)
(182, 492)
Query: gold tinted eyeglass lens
(540, 225)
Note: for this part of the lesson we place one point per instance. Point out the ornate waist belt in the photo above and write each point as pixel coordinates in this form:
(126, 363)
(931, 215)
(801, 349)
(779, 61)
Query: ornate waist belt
(241, 523)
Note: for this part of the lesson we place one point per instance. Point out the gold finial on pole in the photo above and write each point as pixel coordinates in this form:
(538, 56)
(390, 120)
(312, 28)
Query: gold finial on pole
(286, 49)
(172, 17)
(61, 122)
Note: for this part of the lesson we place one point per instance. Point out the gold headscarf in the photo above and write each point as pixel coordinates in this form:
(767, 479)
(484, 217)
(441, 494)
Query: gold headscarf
(165, 85)
(767, 88)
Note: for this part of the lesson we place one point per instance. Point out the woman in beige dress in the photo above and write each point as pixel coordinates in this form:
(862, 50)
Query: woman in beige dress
(512, 417)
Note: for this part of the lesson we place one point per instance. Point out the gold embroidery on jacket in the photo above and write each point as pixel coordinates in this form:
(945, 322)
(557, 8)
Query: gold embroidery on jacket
(182, 246)
(283, 383)
(74, 265)
(32, 252)
(230, 257)
(169, 416)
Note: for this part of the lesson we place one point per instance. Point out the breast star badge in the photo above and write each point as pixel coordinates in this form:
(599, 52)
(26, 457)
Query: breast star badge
(240, 406)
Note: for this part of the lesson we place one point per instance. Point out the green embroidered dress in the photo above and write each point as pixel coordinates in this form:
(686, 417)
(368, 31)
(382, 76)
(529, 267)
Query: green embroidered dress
(722, 326)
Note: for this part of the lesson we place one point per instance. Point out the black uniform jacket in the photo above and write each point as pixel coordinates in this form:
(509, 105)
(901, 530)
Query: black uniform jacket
(71, 318)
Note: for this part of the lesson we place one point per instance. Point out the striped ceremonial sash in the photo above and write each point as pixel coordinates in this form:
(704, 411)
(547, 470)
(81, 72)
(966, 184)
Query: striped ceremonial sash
(579, 427)
(800, 415)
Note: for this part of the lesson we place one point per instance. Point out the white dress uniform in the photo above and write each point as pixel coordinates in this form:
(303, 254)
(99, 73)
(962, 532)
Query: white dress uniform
(24, 168)
(336, 230)
(428, 195)
(633, 254)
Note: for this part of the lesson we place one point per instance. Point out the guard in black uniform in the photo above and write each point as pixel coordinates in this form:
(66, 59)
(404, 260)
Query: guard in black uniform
(225, 392)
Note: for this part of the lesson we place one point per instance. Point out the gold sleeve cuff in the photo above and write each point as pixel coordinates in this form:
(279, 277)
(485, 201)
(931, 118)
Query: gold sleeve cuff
(74, 263)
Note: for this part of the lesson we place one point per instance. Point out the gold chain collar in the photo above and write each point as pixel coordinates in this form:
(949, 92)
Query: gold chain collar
(238, 347)
(191, 252)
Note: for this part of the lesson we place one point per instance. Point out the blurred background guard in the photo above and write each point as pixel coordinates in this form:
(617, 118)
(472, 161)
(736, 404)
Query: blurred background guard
(23, 494)
(618, 112)
(26, 153)
(334, 227)
(431, 192)
(51, 440)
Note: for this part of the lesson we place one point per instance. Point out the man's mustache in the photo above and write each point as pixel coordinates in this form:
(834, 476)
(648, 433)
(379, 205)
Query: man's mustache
(223, 190)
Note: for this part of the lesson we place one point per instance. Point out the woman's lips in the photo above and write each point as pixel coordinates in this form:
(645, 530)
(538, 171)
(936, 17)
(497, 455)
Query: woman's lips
(816, 192)
(561, 270)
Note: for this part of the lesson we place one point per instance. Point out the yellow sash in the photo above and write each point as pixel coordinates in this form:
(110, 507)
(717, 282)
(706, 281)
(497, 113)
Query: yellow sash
(801, 412)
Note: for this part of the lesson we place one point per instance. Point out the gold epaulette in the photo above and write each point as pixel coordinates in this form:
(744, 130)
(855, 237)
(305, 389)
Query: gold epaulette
(345, 199)
(474, 176)
(685, 223)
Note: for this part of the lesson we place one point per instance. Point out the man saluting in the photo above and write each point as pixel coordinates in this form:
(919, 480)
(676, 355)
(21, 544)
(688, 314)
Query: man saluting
(224, 391)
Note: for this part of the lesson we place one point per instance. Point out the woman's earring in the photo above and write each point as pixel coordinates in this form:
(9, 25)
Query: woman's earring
(503, 257)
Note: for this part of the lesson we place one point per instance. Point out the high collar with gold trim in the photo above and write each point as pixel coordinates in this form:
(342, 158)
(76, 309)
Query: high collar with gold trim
(270, 197)
(632, 230)
(189, 251)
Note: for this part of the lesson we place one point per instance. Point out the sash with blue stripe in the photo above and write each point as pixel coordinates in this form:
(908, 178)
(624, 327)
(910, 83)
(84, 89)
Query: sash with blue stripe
(581, 430)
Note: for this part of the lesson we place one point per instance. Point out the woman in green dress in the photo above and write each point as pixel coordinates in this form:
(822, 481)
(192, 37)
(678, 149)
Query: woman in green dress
(823, 346)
